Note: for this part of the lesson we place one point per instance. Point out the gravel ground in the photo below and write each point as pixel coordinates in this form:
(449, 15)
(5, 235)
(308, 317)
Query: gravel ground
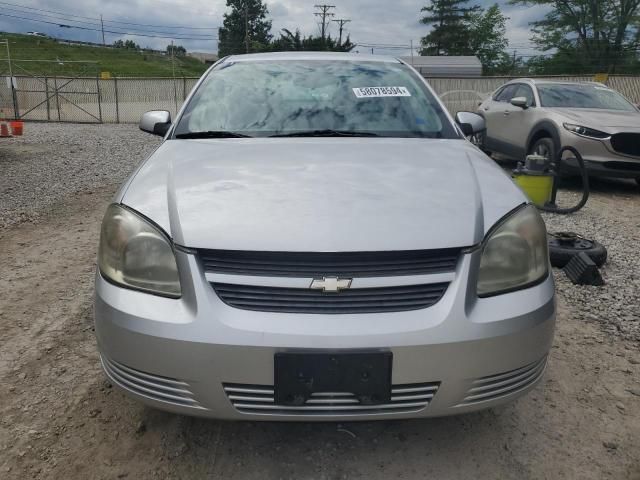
(52, 161)
(612, 217)
(59, 418)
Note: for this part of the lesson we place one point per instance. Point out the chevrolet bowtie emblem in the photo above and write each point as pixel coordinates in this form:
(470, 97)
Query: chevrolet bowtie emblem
(331, 284)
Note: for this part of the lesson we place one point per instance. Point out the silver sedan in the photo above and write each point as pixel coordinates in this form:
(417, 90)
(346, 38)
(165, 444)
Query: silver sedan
(316, 240)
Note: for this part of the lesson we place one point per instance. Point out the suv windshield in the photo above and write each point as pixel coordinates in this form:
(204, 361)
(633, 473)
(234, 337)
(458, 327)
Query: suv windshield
(582, 96)
(264, 98)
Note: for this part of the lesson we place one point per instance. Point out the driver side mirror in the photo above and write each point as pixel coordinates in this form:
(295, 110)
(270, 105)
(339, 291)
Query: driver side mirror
(521, 102)
(470, 123)
(156, 122)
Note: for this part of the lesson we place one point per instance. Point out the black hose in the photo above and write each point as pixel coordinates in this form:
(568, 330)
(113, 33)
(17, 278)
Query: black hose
(551, 207)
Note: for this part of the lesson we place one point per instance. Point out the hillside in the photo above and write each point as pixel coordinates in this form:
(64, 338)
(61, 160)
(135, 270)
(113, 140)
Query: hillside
(118, 61)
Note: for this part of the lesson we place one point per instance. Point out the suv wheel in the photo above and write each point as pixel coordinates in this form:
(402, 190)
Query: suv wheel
(543, 147)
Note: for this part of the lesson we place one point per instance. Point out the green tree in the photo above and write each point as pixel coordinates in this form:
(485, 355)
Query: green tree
(450, 34)
(487, 39)
(245, 28)
(131, 45)
(177, 50)
(591, 35)
(289, 41)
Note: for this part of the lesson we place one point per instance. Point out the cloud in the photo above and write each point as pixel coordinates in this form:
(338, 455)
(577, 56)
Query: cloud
(372, 21)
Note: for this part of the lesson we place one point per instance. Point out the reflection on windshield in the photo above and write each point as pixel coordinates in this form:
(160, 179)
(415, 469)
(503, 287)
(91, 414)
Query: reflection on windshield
(262, 98)
(582, 96)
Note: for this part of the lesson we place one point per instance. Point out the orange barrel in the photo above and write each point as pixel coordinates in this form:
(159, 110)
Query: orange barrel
(4, 130)
(16, 127)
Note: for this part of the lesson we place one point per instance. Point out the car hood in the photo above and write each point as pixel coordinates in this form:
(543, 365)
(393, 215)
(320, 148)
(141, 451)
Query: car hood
(599, 118)
(321, 194)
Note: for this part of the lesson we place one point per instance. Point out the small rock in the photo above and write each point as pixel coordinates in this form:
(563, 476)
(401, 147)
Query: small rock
(141, 427)
(610, 445)
(620, 406)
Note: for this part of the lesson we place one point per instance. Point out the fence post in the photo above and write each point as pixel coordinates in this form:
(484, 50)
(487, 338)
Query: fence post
(55, 86)
(99, 98)
(184, 88)
(115, 89)
(46, 92)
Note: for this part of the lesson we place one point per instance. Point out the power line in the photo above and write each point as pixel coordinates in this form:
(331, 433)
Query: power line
(67, 23)
(133, 34)
(66, 14)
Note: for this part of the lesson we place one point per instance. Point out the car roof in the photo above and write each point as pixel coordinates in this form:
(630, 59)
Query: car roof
(540, 81)
(308, 56)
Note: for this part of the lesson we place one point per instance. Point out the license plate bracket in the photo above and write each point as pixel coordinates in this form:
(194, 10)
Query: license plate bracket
(298, 375)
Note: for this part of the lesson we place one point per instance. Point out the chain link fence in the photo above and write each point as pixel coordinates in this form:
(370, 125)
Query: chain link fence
(124, 100)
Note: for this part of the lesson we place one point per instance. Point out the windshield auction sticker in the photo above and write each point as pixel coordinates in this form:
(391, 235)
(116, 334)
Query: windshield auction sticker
(372, 92)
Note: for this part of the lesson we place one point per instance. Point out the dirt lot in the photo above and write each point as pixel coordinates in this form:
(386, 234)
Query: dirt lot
(59, 418)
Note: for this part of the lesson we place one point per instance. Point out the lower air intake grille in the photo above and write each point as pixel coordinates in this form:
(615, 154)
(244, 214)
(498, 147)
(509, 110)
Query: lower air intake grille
(626, 143)
(162, 389)
(259, 399)
(503, 384)
(355, 300)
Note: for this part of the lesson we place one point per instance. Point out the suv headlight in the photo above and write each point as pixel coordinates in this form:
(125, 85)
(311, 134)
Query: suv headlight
(134, 253)
(514, 254)
(586, 131)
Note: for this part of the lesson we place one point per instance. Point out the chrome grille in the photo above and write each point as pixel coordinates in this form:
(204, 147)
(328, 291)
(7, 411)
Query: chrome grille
(259, 399)
(318, 264)
(503, 384)
(626, 143)
(155, 387)
(354, 300)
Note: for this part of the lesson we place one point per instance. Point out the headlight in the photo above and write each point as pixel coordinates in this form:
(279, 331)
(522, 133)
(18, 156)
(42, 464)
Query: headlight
(136, 254)
(515, 254)
(586, 131)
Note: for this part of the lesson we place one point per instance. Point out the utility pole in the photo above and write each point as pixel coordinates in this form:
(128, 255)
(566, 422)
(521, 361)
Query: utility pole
(341, 22)
(102, 23)
(246, 26)
(173, 74)
(513, 68)
(411, 43)
(324, 12)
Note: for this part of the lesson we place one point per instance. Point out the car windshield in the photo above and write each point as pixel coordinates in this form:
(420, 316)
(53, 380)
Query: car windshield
(582, 96)
(293, 97)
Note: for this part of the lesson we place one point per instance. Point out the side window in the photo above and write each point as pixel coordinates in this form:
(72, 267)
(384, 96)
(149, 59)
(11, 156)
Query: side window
(506, 94)
(526, 92)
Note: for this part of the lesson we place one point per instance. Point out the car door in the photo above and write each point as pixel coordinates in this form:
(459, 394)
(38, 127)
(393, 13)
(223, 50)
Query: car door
(493, 112)
(515, 120)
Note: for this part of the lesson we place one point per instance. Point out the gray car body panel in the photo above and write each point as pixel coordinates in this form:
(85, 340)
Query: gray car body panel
(512, 131)
(341, 194)
(321, 194)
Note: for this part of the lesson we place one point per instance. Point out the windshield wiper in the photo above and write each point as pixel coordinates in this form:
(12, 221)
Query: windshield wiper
(212, 134)
(326, 133)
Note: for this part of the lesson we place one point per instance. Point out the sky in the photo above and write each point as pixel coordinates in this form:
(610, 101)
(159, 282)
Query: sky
(373, 22)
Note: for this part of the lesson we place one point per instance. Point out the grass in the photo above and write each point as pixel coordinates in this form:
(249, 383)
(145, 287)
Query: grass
(117, 61)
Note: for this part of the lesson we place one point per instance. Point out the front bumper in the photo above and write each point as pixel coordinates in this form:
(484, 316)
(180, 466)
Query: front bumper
(600, 158)
(462, 354)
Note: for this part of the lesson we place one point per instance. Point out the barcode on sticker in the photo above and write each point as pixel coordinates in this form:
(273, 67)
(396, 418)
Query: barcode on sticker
(368, 92)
